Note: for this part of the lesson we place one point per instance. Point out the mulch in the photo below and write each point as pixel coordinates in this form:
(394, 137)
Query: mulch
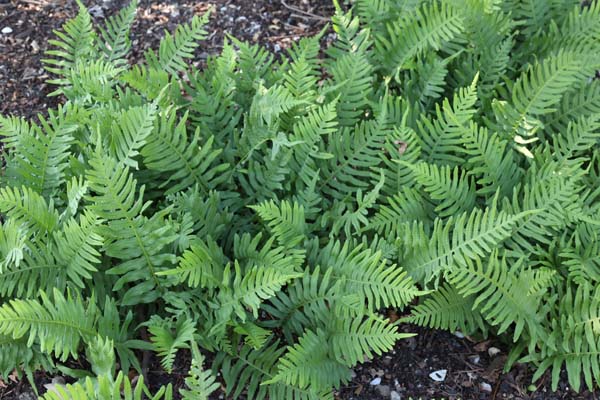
(473, 368)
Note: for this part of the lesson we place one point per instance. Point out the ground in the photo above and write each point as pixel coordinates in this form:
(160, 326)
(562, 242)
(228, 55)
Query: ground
(473, 367)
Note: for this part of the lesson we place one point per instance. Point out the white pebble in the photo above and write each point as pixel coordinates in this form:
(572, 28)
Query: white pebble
(375, 381)
(485, 387)
(459, 334)
(395, 395)
(7, 30)
(493, 351)
(439, 376)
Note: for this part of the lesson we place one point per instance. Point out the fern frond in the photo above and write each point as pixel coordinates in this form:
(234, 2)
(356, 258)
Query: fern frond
(29, 209)
(173, 50)
(430, 27)
(168, 336)
(309, 301)
(451, 189)
(353, 341)
(138, 241)
(108, 388)
(502, 295)
(407, 206)
(458, 241)
(114, 41)
(286, 221)
(307, 365)
(57, 325)
(76, 43)
(39, 156)
(188, 163)
(447, 309)
(364, 272)
(129, 133)
(200, 383)
(442, 139)
(576, 339)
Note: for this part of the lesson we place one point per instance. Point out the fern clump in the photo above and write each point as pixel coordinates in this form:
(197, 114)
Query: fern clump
(441, 158)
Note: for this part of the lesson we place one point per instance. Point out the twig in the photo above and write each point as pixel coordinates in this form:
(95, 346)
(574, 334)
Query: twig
(308, 15)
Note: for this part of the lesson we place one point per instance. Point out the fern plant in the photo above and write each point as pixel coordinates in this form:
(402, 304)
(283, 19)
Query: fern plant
(440, 158)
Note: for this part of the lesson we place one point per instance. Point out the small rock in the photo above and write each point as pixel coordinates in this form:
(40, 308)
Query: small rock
(96, 11)
(6, 30)
(474, 359)
(493, 351)
(485, 387)
(459, 334)
(395, 395)
(27, 396)
(384, 390)
(375, 381)
(439, 375)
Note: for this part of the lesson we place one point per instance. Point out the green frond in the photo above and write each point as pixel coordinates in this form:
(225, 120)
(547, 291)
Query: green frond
(407, 206)
(310, 133)
(114, 41)
(108, 388)
(447, 309)
(91, 81)
(77, 248)
(502, 295)
(214, 106)
(354, 341)
(129, 133)
(583, 102)
(426, 83)
(17, 353)
(12, 245)
(286, 221)
(202, 265)
(492, 161)
(450, 189)
(200, 383)
(356, 153)
(574, 144)
(57, 325)
(442, 139)
(351, 37)
(268, 104)
(174, 50)
(303, 72)
(188, 163)
(577, 346)
(39, 156)
(138, 241)
(248, 369)
(540, 89)
(307, 365)
(76, 42)
(169, 336)
(554, 195)
(455, 242)
(352, 75)
(430, 27)
(308, 301)
(353, 218)
(249, 290)
(583, 263)
(29, 209)
(365, 273)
